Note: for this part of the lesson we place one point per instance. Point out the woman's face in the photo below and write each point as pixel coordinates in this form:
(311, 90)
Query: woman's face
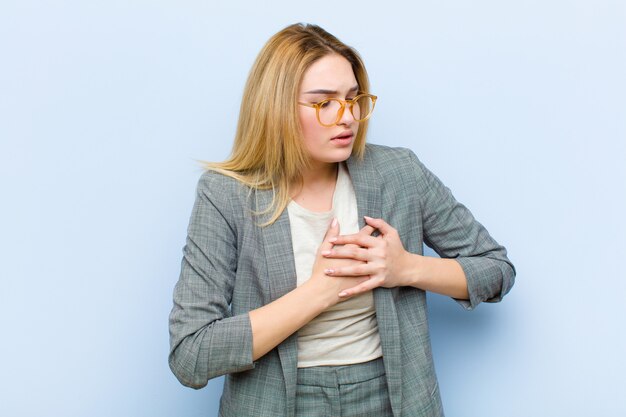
(329, 77)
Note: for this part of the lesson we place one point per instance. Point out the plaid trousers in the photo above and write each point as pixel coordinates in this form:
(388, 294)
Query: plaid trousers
(358, 390)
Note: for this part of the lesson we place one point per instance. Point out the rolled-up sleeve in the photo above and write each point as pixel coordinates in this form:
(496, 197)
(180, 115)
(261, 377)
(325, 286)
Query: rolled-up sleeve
(451, 230)
(206, 340)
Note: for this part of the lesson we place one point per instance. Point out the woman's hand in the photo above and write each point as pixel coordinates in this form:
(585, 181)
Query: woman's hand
(334, 284)
(383, 258)
(274, 322)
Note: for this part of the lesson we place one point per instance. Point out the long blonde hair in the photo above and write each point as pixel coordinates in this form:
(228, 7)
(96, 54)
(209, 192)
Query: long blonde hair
(268, 152)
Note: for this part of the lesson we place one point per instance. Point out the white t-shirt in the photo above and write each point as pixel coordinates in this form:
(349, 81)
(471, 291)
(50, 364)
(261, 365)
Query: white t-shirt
(346, 333)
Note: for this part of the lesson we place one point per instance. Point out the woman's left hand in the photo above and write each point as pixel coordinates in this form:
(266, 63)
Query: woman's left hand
(384, 255)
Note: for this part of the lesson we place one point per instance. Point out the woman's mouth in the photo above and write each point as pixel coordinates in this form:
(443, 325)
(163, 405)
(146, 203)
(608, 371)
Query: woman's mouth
(344, 138)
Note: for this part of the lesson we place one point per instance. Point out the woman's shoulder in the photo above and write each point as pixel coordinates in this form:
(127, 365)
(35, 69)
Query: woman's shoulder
(397, 164)
(382, 154)
(220, 182)
(219, 188)
(388, 158)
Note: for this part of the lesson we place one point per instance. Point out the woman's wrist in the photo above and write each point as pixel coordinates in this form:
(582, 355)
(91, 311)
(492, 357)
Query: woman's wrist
(411, 270)
(319, 296)
(443, 276)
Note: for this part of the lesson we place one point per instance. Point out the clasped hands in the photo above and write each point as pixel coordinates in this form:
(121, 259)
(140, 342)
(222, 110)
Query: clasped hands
(381, 259)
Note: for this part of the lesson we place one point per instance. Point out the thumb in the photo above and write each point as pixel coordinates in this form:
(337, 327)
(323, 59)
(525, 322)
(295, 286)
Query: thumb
(331, 232)
(379, 224)
(367, 230)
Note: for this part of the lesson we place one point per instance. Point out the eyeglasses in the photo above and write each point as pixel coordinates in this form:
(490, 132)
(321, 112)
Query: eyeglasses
(330, 111)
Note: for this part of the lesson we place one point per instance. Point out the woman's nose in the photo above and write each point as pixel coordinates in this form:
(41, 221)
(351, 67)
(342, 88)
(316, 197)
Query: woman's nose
(346, 116)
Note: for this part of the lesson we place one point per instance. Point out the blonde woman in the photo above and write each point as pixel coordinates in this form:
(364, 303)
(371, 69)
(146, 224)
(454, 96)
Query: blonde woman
(303, 279)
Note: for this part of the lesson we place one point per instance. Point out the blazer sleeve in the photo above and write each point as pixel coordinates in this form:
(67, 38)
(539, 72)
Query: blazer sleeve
(451, 230)
(206, 340)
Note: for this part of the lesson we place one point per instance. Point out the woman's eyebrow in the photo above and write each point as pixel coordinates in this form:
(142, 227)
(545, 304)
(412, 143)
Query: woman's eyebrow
(322, 91)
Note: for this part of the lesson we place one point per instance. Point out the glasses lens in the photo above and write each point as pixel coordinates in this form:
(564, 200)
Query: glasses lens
(362, 108)
(329, 111)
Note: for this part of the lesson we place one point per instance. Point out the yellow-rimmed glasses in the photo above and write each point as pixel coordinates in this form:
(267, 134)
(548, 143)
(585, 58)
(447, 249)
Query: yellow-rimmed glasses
(330, 111)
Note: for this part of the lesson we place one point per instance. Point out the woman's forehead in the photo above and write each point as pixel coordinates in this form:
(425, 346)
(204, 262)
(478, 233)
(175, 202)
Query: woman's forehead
(332, 73)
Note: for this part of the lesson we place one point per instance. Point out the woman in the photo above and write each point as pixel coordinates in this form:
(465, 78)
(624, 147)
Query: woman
(303, 279)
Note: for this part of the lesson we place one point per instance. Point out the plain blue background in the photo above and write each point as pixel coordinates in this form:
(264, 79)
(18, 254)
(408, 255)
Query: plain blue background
(518, 106)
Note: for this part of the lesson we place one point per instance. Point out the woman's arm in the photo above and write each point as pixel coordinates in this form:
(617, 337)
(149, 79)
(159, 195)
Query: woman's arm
(473, 267)
(206, 339)
(440, 275)
(390, 265)
(274, 322)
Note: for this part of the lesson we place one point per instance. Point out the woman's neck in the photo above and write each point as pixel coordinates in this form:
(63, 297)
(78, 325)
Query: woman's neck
(317, 188)
(320, 174)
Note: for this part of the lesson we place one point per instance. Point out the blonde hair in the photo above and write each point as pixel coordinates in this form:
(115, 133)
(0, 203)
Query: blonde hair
(268, 152)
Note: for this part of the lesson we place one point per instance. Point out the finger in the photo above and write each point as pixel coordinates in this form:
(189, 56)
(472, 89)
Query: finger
(359, 270)
(365, 286)
(331, 233)
(364, 241)
(380, 224)
(367, 230)
(347, 252)
(357, 281)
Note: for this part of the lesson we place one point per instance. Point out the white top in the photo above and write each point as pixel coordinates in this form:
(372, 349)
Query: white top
(346, 333)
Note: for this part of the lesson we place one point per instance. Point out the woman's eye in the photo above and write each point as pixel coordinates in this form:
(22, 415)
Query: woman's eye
(324, 104)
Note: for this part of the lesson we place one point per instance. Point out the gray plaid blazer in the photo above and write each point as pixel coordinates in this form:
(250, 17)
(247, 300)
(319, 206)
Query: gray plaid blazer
(231, 266)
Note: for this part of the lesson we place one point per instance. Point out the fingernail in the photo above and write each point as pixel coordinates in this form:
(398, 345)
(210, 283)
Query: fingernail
(325, 252)
(334, 223)
(333, 239)
(343, 294)
(367, 217)
(329, 271)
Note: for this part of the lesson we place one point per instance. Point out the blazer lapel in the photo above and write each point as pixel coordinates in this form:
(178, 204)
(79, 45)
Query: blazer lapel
(368, 188)
(281, 279)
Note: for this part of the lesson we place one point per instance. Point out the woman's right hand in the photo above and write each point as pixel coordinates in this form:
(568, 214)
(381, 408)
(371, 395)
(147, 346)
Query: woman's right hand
(274, 322)
(331, 286)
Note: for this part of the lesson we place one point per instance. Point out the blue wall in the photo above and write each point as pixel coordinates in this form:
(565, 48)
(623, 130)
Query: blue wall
(519, 107)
